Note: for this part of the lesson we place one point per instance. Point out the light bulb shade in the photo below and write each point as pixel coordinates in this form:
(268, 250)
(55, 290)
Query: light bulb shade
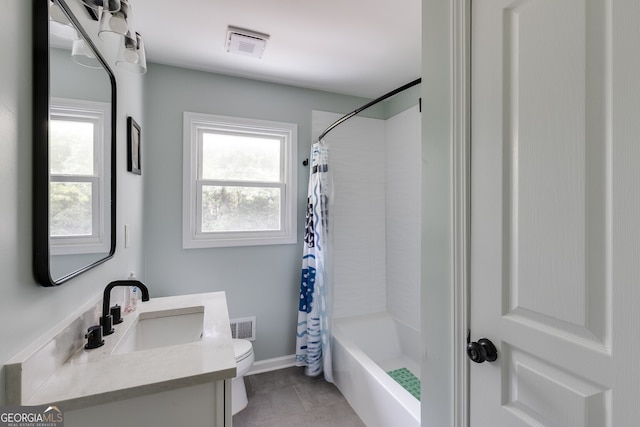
(131, 38)
(132, 57)
(59, 24)
(82, 54)
(115, 22)
(106, 5)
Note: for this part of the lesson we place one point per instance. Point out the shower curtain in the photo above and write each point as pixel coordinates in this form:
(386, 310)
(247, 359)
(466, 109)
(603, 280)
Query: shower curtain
(313, 340)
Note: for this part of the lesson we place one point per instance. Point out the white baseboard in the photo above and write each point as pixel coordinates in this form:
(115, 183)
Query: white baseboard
(272, 364)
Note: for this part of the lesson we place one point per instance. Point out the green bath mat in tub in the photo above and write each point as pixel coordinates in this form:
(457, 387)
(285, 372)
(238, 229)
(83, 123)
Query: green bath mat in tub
(407, 380)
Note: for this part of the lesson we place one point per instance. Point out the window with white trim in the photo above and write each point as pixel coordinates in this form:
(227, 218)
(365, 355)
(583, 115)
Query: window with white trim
(79, 190)
(239, 181)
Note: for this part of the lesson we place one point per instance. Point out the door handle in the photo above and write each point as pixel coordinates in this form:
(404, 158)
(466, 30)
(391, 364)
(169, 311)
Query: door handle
(481, 351)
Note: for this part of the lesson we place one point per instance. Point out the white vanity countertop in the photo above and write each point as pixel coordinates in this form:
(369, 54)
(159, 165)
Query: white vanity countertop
(93, 377)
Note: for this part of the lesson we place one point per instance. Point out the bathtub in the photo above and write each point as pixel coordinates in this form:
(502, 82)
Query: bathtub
(365, 348)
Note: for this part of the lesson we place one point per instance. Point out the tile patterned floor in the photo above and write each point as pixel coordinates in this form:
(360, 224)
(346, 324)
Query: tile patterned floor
(288, 398)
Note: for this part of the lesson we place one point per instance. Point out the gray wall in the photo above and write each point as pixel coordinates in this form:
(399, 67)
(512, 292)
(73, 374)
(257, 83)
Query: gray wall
(28, 310)
(437, 277)
(260, 281)
(402, 101)
(73, 81)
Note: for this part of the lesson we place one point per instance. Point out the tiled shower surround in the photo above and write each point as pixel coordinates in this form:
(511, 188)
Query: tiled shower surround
(376, 214)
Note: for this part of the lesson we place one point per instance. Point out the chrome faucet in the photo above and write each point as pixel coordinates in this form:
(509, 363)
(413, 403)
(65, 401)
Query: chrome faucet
(106, 321)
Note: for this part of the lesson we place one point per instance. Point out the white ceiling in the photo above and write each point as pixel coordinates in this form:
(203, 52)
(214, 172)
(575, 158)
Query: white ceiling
(355, 47)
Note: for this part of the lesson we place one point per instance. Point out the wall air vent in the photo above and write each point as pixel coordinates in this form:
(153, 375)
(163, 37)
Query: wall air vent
(246, 42)
(244, 328)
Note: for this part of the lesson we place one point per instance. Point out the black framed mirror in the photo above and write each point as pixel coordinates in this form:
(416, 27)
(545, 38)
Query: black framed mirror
(74, 145)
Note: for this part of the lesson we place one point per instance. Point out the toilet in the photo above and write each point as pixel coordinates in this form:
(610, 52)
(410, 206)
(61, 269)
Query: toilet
(244, 360)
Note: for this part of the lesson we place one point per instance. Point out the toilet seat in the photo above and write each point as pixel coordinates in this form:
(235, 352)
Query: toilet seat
(242, 349)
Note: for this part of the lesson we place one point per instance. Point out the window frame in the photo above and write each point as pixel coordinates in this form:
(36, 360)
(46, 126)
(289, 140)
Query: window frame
(98, 113)
(194, 126)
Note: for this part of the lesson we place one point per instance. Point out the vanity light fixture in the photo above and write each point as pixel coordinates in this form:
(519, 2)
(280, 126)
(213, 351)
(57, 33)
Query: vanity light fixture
(81, 54)
(246, 42)
(116, 26)
(108, 5)
(131, 55)
(59, 24)
(117, 23)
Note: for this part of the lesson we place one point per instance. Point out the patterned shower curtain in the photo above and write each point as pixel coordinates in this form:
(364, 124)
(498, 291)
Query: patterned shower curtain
(313, 348)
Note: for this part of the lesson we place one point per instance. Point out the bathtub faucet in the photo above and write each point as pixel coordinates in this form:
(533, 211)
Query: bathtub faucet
(106, 321)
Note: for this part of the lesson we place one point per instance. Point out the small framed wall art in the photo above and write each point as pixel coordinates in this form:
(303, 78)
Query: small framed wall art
(133, 146)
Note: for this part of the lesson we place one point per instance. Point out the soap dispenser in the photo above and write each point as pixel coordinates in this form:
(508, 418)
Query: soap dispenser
(131, 296)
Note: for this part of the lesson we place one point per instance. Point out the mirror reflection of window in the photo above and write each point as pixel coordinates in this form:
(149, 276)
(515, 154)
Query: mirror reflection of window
(72, 178)
(78, 200)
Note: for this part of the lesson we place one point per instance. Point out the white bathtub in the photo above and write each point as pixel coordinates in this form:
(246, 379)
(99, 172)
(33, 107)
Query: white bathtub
(364, 349)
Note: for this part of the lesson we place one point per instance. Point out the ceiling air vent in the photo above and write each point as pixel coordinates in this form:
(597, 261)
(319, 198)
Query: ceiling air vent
(246, 42)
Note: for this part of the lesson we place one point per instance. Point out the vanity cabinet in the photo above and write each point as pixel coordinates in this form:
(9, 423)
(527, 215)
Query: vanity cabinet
(204, 405)
(170, 384)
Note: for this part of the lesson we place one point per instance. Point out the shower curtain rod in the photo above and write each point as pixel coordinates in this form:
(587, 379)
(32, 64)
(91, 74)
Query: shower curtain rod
(364, 107)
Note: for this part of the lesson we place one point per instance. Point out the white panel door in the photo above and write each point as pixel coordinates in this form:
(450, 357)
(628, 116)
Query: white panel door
(555, 212)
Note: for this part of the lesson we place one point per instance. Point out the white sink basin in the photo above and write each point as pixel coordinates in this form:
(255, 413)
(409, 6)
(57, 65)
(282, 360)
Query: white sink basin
(163, 328)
